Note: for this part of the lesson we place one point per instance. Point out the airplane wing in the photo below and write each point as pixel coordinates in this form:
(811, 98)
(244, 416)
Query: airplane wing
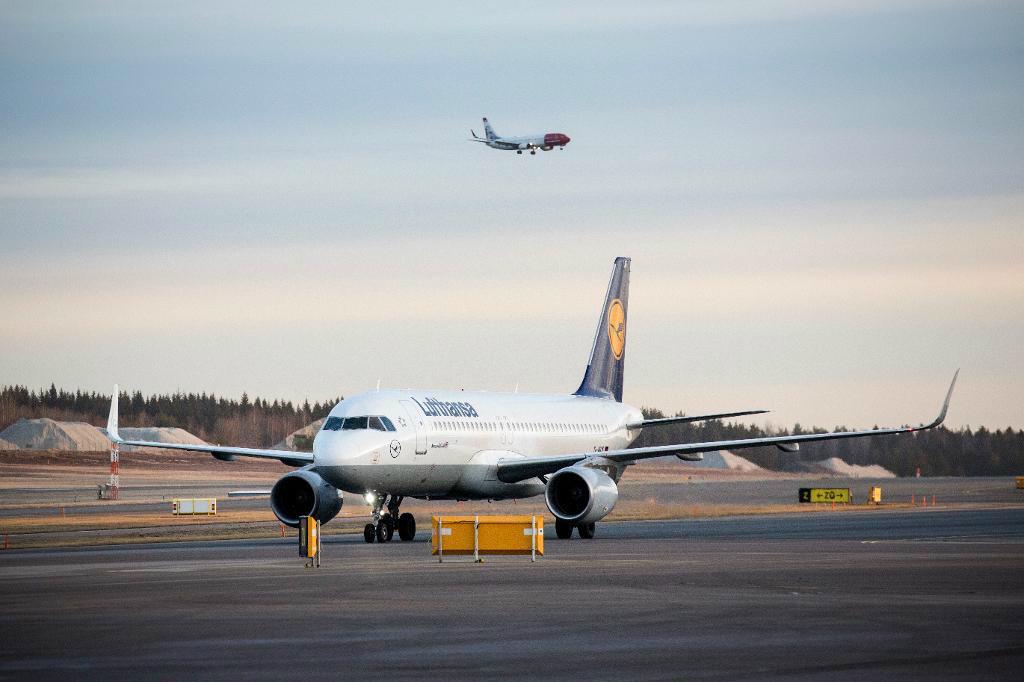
(519, 470)
(219, 451)
(687, 420)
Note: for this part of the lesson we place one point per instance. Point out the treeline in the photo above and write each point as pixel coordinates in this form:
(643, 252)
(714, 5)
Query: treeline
(248, 423)
(937, 452)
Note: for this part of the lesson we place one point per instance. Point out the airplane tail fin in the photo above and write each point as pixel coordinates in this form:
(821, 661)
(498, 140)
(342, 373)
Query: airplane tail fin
(488, 130)
(605, 371)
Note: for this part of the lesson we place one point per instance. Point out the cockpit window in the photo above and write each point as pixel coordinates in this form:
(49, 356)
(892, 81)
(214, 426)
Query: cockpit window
(377, 423)
(354, 423)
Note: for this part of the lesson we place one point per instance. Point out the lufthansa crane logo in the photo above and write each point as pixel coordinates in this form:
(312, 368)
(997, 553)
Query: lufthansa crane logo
(617, 328)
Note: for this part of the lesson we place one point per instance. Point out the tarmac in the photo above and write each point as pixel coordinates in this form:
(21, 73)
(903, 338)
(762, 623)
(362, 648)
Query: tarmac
(926, 593)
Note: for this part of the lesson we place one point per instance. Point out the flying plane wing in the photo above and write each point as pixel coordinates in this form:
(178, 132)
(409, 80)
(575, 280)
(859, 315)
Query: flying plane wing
(687, 420)
(219, 451)
(519, 470)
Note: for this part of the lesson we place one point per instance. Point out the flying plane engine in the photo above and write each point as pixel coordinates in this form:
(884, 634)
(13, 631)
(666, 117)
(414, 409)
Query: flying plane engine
(304, 493)
(581, 495)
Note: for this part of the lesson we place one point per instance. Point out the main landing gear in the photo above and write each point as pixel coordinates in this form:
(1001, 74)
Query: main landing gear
(519, 151)
(384, 525)
(563, 529)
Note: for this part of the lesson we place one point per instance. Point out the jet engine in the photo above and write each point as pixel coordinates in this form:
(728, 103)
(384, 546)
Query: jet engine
(581, 495)
(304, 493)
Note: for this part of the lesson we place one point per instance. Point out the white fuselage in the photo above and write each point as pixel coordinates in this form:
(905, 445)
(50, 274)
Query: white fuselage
(525, 142)
(446, 444)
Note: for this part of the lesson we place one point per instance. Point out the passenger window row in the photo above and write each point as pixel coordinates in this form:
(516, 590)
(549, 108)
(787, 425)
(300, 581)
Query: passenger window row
(520, 427)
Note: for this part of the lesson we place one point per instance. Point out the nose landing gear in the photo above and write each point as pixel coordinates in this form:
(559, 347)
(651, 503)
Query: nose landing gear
(383, 527)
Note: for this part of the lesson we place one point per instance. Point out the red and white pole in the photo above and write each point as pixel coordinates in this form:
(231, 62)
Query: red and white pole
(115, 477)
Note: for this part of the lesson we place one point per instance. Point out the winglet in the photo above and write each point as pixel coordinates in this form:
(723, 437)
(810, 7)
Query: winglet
(945, 406)
(112, 419)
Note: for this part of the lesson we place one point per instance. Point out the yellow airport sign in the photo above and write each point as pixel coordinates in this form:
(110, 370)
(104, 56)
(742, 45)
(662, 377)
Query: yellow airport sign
(825, 495)
(309, 537)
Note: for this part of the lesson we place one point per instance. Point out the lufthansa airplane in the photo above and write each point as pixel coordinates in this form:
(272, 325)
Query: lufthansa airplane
(545, 142)
(462, 445)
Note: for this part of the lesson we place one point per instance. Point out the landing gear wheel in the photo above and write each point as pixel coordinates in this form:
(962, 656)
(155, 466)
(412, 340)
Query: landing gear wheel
(533, 152)
(519, 151)
(406, 527)
(563, 529)
(587, 530)
(382, 532)
(388, 522)
(369, 532)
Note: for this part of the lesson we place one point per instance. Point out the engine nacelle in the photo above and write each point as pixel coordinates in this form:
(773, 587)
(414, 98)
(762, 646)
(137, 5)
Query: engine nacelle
(580, 494)
(304, 493)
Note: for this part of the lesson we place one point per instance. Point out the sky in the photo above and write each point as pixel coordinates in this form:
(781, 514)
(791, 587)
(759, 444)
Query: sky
(823, 201)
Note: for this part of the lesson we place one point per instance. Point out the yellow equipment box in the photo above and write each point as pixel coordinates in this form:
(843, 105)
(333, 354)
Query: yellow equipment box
(824, 495)
(875, 495)
(476, 535)
(195, 505)
(1020, 482)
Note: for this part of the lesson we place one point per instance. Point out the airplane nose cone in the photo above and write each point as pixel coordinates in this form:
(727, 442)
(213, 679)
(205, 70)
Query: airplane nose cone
(566, 139)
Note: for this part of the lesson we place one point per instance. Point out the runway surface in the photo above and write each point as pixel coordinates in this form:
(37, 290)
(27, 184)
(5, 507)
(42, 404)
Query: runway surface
(916, 594)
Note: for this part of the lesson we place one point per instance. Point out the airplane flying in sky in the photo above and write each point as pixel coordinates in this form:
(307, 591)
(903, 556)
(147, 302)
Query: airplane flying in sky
(462, 445)
(545, 142)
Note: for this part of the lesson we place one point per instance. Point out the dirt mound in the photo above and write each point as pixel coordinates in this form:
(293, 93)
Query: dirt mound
(7, 445)
(160, 434)
(723, 459)
(835, 466)
(304, 436)
(47, 434)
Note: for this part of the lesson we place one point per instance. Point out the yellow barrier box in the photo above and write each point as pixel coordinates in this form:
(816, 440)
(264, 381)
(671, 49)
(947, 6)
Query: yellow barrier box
(194, 505)
(875, 495)
(476, 535)
(1020, 482)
